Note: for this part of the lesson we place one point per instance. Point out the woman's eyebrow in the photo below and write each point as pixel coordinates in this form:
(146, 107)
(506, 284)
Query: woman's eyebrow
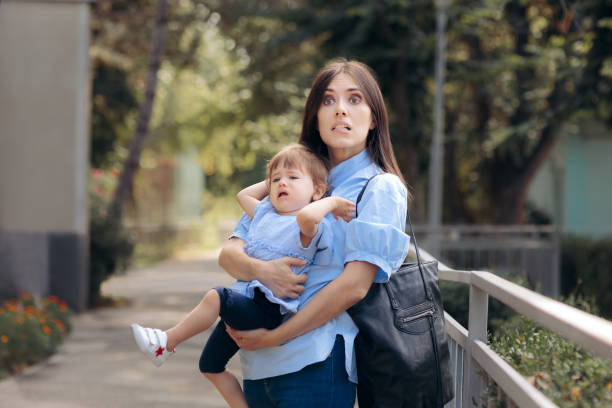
(347, 90)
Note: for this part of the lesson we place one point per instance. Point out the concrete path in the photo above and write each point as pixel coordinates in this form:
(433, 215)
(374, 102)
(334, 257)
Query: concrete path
(99, 364)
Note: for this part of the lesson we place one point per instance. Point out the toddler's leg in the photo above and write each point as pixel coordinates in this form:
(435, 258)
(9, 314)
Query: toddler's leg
(218, 350)
(198, 320)
(230, 389)
(244, 313)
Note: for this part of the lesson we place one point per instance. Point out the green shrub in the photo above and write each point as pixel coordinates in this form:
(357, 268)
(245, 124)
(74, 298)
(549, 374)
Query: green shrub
(110, 249)
(567, 374)
(30, 330)
(586, 265)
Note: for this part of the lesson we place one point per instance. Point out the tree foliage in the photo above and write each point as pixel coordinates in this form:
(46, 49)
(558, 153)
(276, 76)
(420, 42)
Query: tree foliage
(518, 71)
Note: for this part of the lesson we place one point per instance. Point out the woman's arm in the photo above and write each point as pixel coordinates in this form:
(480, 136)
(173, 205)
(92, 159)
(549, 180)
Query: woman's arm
(276, 274)
(249, 197)
(343, 292)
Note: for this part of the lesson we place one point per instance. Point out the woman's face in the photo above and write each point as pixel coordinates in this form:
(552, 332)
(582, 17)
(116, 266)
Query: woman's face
(344, 119)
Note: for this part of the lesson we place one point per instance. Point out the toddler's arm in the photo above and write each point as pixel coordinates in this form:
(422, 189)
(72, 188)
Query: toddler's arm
(249, 197)
(310, 216)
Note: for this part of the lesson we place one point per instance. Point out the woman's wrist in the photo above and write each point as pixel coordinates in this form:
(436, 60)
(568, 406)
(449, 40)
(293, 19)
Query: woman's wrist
(258, 268)
(275, 337)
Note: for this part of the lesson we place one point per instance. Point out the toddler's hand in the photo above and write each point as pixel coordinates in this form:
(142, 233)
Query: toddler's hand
(344, 209)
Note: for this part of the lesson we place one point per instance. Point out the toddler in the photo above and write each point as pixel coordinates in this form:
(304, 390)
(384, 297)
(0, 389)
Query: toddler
(290, 222)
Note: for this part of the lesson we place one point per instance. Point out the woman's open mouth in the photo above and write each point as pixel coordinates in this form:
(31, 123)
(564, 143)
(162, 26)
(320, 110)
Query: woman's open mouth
(341, 126)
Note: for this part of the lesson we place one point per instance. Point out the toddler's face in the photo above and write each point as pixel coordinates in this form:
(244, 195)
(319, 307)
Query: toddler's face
(291, 189)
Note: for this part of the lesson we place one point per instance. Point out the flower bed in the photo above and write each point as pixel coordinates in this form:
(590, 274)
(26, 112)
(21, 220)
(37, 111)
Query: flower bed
(30, 330)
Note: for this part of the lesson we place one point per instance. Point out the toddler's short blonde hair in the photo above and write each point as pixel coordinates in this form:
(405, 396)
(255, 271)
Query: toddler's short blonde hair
(297, 155)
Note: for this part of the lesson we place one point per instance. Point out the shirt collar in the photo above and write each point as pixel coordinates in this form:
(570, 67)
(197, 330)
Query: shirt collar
(342, 171)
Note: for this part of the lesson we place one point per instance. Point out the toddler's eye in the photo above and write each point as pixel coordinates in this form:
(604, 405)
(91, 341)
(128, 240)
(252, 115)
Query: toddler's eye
(276, 179)
(294, 177)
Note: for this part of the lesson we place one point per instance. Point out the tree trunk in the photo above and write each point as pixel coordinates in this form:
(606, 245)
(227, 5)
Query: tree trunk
(126, 178)
(508, 188)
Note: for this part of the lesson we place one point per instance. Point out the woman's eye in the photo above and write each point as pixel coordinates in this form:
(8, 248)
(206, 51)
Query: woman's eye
(328, 100)
(355, 99)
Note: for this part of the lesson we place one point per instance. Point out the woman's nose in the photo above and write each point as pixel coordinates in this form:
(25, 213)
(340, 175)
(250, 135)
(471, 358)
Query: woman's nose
(340, 110)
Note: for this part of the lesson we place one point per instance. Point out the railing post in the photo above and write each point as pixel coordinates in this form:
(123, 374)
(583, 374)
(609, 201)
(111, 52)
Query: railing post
(474, 383)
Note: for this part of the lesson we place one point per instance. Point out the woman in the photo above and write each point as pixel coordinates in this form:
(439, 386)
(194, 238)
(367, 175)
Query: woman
(309, 360)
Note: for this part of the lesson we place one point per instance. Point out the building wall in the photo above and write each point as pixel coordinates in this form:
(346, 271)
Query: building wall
(574, 185)
(589, 185)
(44, 138)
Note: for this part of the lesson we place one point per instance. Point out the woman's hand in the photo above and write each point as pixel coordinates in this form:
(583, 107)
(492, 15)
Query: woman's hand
(252, 339)
(276, 275)
(280, 279)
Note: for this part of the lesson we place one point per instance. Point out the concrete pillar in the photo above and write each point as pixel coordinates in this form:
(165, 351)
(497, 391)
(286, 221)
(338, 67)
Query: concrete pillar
(44, 142)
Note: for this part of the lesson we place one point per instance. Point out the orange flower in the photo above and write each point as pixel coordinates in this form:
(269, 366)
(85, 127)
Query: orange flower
(59, 325)
(1, 311)
(42, 320)
(4, 339)
(609, 386)
(46, 329)
(11, 308)
(575, 393)
(25, 296)
(30, 311)
(20, 319)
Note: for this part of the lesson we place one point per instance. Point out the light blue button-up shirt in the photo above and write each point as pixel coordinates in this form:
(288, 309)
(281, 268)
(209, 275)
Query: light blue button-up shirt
(376, 236)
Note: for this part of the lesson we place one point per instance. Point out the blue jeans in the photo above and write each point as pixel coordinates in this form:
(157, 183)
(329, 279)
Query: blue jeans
(241, 313)
(319, 385)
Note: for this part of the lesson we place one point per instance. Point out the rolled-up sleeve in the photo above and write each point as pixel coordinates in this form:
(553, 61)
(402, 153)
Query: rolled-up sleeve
(377, 235)
(242, 228)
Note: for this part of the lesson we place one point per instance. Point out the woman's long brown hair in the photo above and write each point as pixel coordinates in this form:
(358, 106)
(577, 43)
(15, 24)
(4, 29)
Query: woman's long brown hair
(378, 142)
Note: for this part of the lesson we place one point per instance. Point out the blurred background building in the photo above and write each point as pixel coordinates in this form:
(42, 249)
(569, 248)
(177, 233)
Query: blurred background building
(572, 186)
(44, 144)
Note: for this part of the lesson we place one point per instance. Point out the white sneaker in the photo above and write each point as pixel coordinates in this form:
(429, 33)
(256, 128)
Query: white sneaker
(152, 342)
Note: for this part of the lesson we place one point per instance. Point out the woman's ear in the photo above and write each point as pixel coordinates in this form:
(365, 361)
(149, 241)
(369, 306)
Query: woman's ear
(372, 123)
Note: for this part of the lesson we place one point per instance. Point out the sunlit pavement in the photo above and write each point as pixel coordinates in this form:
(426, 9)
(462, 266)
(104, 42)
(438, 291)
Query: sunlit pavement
(99, 364)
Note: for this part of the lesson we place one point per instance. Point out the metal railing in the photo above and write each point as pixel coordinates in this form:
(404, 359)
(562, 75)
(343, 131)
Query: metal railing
(471, 356)
(531, 252)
